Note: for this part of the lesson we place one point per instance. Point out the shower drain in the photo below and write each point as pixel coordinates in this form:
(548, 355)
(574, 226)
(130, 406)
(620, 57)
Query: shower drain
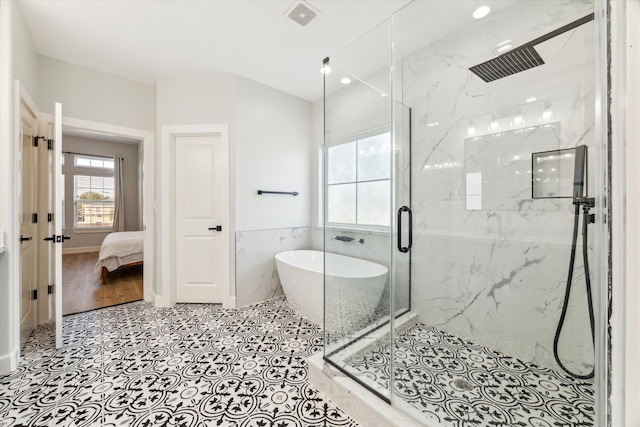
(463, 384)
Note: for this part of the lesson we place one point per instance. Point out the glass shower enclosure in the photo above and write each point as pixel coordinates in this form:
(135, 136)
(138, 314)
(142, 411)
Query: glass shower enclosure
(462, 200)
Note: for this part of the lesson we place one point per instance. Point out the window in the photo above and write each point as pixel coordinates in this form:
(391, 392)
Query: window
(93, 162)
(359, 181)
(93, 192)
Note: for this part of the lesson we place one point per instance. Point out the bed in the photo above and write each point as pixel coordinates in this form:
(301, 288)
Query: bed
(119, 249)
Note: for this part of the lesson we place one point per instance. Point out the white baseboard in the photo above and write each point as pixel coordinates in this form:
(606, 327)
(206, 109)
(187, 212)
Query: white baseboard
(9, 362)
(150, 296)
(81, 250)
(229, 303)
(161, 301)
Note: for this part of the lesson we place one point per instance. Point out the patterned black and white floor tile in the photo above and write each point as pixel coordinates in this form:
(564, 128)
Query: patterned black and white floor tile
(457, 383)
(192, 365)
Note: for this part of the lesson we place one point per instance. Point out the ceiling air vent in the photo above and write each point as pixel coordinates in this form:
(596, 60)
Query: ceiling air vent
(302, 13)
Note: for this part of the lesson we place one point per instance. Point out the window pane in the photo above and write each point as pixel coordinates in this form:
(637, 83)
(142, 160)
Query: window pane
(374, 203)
(93, 161)
(373, 157)
(341, 203)
(342, 163)
(94, 200)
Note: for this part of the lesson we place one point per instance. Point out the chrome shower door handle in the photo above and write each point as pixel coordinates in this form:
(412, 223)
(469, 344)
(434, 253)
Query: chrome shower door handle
(405, 249)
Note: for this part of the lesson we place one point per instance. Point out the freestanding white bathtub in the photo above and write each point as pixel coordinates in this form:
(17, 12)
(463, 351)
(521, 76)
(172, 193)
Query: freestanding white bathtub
(354, 286)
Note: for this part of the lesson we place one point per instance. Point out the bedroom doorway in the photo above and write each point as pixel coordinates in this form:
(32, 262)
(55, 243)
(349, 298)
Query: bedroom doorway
(93, 153)
(102, 200)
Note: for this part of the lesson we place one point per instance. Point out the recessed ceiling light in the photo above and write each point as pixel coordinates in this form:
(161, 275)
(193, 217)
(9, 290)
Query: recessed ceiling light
(432, 124)
(345, 81)
(504, 48)
(504, 42)
(481, 12)
(325, 70)
(532, 99)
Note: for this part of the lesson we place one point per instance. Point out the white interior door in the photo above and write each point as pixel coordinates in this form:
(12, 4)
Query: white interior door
(57, 220)
(202, 236)
(55, 237)
(28, 227)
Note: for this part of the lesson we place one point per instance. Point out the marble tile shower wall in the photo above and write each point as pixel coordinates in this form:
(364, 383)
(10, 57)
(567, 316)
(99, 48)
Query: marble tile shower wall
(496, 275)
(256, 275)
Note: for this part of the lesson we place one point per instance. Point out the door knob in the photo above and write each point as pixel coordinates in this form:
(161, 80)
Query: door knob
(216, 228)
(24, 239)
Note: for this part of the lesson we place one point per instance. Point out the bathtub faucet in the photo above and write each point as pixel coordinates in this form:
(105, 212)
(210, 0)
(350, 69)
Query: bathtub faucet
(344, 238)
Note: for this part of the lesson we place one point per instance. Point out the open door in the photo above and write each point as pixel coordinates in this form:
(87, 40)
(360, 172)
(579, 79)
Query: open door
(55, 236)
(57, 219)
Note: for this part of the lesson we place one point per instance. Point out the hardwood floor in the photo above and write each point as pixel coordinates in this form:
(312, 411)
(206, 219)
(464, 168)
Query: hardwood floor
(80, 293)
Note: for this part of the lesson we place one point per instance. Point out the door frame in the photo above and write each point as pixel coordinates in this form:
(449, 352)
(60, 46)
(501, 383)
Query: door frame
(167, 297)
(147, 143)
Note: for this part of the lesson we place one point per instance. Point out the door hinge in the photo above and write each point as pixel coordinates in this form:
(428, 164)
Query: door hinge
(51, 289)
(35, 140)
(34, 294)
(49, 144)
(49, 217)
(34, 218)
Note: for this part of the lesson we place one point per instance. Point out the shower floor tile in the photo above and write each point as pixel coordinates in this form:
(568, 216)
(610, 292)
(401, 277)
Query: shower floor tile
(457, 383)
(191, 365)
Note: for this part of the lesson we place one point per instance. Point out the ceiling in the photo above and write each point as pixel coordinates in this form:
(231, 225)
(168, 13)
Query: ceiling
(142, 39)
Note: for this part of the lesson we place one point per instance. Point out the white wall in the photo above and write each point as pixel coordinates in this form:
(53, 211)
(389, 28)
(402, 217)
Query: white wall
(9, 339)
(189, 100)
(93, 95)
(317, 139)
(25, 58)
(129, 152)
(273, 153)
(273, 130)
(269, 134)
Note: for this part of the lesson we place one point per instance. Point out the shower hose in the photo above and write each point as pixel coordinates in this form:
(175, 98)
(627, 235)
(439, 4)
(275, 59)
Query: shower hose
(585, 222)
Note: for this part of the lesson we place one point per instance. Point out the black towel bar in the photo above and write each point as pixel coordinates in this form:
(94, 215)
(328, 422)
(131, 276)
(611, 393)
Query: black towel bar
(292, 193)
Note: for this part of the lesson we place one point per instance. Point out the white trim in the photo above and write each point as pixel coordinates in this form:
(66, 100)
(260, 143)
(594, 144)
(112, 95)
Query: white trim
(90, 230)
(229, 303)
(9, 285)
(167, 220)
(17, 203)
(9, 361)
(81, 250)
(147, 141)
(632, 297)
(161, 301)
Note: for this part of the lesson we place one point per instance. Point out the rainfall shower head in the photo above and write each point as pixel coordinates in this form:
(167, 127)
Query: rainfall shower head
(521, 58)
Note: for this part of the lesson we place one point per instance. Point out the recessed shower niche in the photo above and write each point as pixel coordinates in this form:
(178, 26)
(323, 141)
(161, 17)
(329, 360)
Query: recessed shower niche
(478, 234)
(552, 173)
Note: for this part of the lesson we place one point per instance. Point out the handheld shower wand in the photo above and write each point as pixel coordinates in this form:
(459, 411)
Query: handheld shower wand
(579, 199)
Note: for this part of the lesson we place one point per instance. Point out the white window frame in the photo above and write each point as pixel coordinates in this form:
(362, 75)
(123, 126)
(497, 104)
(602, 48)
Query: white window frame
(90, 171)
(324, 223)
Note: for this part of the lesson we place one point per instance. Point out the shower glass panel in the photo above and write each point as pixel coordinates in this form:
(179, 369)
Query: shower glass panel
(459, 156)
(490, 262)
(358, 190)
